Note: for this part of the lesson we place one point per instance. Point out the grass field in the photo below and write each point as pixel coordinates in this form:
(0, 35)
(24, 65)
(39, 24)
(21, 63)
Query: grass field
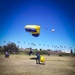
(23, 65)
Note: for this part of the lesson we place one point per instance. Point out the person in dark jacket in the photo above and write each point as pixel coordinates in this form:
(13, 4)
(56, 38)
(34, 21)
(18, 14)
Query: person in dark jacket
(38, 58)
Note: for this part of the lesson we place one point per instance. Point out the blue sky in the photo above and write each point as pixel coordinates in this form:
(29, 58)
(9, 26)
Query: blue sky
(57, 14)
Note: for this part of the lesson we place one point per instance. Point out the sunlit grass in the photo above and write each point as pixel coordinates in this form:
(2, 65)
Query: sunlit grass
(23, 65)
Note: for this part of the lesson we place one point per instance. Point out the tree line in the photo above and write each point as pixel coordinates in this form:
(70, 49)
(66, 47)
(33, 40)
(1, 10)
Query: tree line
(12, 48)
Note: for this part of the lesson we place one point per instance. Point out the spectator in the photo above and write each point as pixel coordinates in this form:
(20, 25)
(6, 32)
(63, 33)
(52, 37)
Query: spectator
(6, 55)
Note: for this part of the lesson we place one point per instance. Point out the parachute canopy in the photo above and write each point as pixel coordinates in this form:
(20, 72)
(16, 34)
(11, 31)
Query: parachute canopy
(33, 29)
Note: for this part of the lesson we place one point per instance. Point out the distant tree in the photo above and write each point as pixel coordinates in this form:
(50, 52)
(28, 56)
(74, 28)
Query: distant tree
(5, 48)
(40, 49)
(11, 48)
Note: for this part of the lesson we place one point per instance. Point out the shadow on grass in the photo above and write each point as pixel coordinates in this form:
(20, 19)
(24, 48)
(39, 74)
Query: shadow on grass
(42, 63)
(34, 58)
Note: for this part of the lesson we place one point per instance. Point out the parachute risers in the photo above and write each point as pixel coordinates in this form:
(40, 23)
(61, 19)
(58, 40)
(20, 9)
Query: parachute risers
(33, 29)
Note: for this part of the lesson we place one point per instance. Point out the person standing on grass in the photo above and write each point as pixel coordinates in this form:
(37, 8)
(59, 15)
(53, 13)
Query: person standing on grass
(38, 58)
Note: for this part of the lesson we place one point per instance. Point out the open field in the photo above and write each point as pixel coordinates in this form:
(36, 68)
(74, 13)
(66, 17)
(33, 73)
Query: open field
(23, 65)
